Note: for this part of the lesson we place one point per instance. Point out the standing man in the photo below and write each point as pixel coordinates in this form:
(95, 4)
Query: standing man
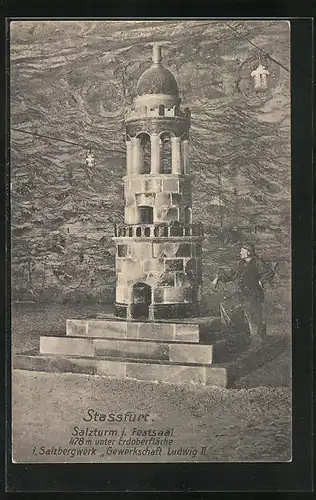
(251, 274)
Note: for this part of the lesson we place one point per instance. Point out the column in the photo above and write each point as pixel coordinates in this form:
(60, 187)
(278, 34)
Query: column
(185, 155)
(151, 312)
(129, 157)
(155, 153)
(138, 156)
(176, 155)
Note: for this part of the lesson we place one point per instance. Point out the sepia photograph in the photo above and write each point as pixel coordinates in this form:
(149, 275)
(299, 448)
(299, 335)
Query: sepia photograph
(150, 186)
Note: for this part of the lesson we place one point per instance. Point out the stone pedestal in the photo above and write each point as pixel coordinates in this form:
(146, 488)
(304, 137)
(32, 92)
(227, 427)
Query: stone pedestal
(188, 352)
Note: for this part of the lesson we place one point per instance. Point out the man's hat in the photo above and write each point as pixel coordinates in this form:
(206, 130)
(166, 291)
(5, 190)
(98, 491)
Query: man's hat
(248, 246)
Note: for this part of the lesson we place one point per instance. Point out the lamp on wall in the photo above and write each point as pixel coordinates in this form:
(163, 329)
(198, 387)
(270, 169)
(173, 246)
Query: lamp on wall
(90, 160)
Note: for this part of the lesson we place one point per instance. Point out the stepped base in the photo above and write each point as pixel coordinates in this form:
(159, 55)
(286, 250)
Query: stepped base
(190, 330)
(178, 352)
(219, 375)
(120, 368)
(191, 352)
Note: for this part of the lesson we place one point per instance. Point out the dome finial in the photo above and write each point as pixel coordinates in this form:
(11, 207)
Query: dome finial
(156, 57)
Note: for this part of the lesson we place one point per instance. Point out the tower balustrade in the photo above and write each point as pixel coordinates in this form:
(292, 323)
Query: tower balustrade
(157, 230)
(160, 110)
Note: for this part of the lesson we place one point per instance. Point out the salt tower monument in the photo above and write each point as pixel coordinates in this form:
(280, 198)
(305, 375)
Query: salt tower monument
(158, 257)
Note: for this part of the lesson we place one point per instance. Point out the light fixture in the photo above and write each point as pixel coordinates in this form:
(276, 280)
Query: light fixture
(90, 160)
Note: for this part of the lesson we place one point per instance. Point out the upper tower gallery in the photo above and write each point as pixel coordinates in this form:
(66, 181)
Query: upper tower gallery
(157, 129)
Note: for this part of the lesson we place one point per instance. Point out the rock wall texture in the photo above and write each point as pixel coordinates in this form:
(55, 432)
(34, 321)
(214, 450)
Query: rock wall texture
(73, 81)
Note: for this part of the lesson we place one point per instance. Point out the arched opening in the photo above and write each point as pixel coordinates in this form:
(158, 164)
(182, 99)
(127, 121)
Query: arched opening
(141, 299)
(166, 153)
(145, 215)
(161, 110)
(146, 153)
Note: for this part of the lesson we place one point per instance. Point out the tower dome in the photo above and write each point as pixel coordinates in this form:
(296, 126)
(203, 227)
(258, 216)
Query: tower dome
(157, 79)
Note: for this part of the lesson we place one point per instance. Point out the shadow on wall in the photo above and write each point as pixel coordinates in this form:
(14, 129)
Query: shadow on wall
(57, 295)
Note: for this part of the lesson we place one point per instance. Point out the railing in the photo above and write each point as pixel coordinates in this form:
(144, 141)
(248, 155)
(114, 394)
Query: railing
(156, 111)
(157, 230)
